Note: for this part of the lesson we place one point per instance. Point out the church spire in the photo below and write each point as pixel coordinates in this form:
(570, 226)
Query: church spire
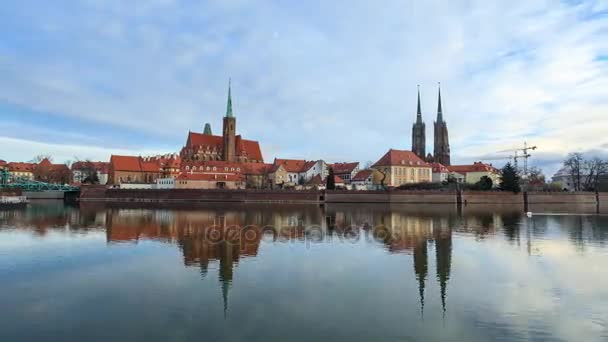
(439, 112)
(419, 112)
(207, 129)
(229, 105)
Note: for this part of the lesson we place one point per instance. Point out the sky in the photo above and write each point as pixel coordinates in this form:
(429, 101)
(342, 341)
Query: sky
(333, 80)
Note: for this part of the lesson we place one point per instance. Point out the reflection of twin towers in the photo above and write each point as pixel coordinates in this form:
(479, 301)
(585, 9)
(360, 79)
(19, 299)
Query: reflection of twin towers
(443, 260)
(414, 234)
(224, 237)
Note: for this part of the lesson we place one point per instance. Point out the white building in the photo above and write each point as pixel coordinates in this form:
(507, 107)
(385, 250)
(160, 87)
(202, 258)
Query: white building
(301, 171)
(346, 171)
(564, 179)
(165, 183)
(363, 180)
(82, 169)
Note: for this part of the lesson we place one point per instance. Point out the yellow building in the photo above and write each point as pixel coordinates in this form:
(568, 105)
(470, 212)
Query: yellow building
(399, 167)
(473, 173)
(21, 170)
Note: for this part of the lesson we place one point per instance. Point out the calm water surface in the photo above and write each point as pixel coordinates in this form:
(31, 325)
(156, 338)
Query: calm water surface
(270, 272)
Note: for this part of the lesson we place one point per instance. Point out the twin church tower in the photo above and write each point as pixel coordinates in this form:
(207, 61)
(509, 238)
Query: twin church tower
(441, 153)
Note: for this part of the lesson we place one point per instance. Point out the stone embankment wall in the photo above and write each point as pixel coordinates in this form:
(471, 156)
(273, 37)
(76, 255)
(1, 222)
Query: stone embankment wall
(491, 197)
(534, 199)
(391, 197)
(561, 197)
(198, 195)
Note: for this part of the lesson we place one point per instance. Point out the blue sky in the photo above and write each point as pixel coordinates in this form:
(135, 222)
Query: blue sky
(317, 79)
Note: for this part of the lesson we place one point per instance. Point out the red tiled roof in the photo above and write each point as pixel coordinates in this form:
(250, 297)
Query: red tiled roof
(2, 162)
(338, 180)
(125, 163)
(291, 165)
(344, 167)
(204, 140)
(362, 175)
(21, 167)
(439, 168)
(316, 180)
(45, 162)
(401, 157)
(475, 167)
(220, 177)
(249, 148)
(257, 168)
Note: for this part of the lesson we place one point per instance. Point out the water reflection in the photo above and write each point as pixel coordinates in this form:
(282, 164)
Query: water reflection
(214, 240)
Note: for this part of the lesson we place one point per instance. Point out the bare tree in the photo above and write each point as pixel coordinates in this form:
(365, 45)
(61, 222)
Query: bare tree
(594, 169)
(37, 159)
(536, 178)
(575, 164)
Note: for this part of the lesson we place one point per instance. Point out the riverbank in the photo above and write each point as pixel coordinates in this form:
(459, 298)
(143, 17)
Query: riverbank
(103, 194)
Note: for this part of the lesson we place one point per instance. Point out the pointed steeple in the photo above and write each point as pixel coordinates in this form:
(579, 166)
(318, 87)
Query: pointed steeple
(421, 270)
(207, 129)
(439, 112)
(225, 290)
(419, 112)
(229, 105)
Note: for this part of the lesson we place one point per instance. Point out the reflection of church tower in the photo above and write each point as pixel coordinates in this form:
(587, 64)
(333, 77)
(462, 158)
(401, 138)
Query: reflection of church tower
(229, 131)
(226, 263)
(443, 253)
(419, 133)
(421, 269)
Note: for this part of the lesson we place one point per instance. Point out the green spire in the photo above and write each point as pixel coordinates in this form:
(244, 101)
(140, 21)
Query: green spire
(207, 129)
(439, 113)
(229, 105)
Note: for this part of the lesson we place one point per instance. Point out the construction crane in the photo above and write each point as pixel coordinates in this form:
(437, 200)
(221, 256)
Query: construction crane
(516, 156)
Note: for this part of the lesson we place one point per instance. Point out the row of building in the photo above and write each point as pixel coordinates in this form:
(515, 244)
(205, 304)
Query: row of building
(229, 161)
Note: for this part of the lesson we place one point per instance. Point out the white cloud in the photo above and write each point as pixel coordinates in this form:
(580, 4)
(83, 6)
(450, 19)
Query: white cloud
(24, 150)
(325, 80)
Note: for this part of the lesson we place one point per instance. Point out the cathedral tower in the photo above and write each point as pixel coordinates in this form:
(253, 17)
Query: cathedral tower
(229, 131)
(442, 143)
(419, 133)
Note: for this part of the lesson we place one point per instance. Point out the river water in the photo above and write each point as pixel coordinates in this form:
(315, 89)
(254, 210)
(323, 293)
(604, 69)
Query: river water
(302, 273)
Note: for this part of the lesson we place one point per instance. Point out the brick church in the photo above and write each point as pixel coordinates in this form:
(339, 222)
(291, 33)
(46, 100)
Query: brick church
(228, 147)
(441, 153)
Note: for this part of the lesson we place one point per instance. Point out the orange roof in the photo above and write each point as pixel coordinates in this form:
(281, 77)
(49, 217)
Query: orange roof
(344, 167)
(257, 168)
(204, 140)
(125, 163)
(363, 175)
(439, 168)
(338, 180)
(291, 165)
(21, 167)
(475, 167)
(45, 162)
(316, 180)
(401, 158)
(221, 177)
(249, 148)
